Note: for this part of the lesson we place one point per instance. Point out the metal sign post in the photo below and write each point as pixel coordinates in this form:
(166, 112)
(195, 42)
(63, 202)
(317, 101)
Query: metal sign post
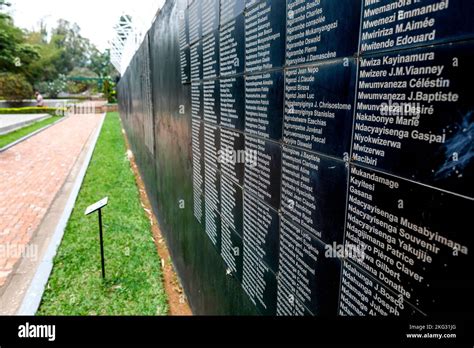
(91, 209)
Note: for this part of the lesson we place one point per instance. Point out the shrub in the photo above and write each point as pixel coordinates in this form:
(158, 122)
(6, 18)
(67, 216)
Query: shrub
(76, 87)
(33, 110)
(53, 88)
(15, 87)
(110, 92)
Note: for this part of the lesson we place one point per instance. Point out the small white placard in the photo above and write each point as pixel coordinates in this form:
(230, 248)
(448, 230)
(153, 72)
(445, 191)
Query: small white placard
(96, 206)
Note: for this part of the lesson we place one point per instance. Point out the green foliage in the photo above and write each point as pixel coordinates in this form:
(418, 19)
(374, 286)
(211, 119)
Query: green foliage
(100, 63)
(62, 53)
(44, 68)
(15, 87)
(110, 92)
(74, 87)
(75, 49)
(33, 110)
(15, 53)
(9, 138)
(52, 89)
(43, 57)
(77, 87)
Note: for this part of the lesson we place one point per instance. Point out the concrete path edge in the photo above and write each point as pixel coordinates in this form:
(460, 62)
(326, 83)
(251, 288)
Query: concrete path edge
(26, 137)
(34, 294)
(16, 126)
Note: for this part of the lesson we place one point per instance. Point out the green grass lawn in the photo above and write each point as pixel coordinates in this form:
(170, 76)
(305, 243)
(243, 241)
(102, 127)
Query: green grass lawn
(22, 132)
(133, 268)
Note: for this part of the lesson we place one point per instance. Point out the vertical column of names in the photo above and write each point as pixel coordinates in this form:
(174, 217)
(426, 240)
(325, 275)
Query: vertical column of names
(190, 33)
(212, 134)
(320, 79)
(231, 87)
(265, 31)
(410, 191)
(184, 49)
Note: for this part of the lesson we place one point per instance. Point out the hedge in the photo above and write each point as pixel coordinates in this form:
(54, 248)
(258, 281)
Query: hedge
(33, 110)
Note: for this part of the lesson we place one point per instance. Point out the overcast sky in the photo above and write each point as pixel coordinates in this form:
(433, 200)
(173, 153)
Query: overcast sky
(95, 17)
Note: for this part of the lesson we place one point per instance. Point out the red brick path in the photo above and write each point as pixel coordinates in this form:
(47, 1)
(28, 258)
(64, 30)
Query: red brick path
(31, 174)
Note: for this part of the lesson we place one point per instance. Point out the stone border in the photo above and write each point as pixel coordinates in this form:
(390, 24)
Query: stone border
(16, 126)
(26, 137)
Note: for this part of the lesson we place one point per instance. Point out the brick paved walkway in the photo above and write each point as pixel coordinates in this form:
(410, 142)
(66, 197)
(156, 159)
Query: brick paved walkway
(31, 174)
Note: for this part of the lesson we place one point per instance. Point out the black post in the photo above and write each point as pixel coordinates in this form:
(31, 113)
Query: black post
(101, 244)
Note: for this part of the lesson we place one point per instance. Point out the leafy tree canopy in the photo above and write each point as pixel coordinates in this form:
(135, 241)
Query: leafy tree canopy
(42, 56)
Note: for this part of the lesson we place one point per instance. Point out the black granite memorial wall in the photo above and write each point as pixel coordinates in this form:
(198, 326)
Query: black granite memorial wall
(310, 157)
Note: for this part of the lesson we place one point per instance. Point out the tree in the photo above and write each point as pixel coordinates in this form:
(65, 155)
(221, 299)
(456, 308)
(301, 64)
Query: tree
(65, 51)
(45, 68)
(100, 63)
(75, 50)
(46, 58)
(15, 53)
